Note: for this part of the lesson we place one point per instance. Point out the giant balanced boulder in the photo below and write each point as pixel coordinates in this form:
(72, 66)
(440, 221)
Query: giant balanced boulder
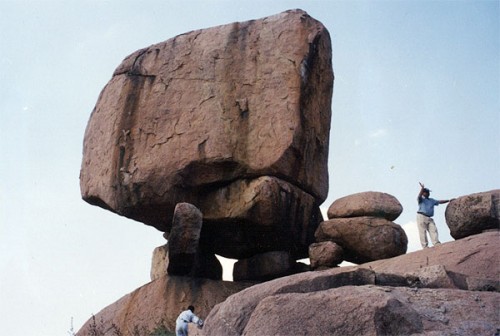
(232, 115)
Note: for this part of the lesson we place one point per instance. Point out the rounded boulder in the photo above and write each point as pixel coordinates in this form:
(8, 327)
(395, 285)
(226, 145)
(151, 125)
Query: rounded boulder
(369, 203)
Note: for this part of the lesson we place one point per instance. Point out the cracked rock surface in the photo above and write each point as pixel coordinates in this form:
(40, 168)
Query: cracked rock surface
(205, 114)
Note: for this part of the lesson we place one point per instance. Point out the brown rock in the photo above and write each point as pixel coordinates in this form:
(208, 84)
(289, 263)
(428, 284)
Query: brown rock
(207, 266)
(185, 257)
(475, 256)
(473, 214)
(231, 317)
(263, 267)
(325, 254)
(439, 310)
(437, 276)
(183, 241)
(159, 262)
(159, 302)
(364, 239)
(370, 203)
(241, 219)
(370, 310)
(190, 115)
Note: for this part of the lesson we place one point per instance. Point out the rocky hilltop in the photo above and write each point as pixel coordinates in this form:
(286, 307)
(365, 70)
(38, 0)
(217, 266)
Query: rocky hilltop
(451, 289)
(219, 138)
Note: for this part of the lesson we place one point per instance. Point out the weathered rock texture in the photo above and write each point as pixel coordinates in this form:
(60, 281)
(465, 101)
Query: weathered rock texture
(472, 214)
(364, 239)
(265, 266)
(451, 289)
(370, 310)
(159, 262)
(390, 297)
(369, 203)
(325, 254)
(209, 112)
(240, 219)
(158, 303)
(361, 224)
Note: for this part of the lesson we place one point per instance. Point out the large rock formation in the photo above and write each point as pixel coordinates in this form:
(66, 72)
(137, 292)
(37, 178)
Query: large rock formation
(233, 119)
(371, 310)
(361, 225)
(473, 214)
(157, 304)
(445, 290)
(449, 289)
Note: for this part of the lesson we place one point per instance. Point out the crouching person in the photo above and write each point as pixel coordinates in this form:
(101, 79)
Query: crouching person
(187, 316)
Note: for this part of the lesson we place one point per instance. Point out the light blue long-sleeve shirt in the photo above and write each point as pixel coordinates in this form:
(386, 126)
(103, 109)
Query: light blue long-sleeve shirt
(426, 206)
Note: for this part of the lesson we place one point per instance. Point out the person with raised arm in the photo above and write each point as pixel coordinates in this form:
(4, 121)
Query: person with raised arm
(425, 223)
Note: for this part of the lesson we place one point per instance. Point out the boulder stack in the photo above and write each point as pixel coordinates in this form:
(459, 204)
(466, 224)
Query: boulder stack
(233, 119)
(361, 224)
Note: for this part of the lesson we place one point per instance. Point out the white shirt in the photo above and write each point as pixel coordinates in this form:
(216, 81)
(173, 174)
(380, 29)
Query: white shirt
(187, 316)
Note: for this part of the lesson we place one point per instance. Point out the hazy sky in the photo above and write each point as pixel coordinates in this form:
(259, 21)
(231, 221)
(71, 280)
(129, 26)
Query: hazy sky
(416, 98)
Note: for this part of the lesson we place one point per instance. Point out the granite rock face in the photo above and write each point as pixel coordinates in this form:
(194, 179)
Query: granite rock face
(451, 289)
(159, 262)
(267, 266)
(185, 256)
(240, 220)
(157, 305)
(369, 203)
(428, 292)
(473, 214)
(208, 113)
(373, 310)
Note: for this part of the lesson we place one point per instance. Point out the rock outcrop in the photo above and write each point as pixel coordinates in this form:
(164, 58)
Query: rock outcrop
(233, 119)
(373, 310)
(473, 214)
(449, 289)
(385, 297)
(157, 304)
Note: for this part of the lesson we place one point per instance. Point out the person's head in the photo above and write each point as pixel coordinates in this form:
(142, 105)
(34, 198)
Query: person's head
(191, 308)
(426, 193)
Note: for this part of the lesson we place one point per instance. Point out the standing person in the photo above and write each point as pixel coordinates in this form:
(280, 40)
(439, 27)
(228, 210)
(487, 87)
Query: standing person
(424, 217)
(187, 316)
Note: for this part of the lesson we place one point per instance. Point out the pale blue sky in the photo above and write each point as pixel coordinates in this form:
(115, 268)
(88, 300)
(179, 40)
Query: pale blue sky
(416, 98)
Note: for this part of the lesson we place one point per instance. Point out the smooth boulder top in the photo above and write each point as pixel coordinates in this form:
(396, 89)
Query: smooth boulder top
(369, 203)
